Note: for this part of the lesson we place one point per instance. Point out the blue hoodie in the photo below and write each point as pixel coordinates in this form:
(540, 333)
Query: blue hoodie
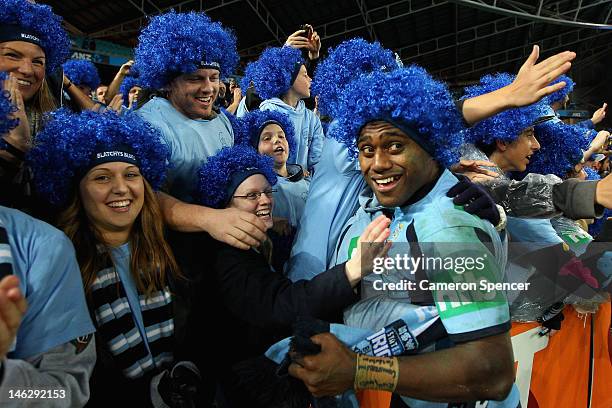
(332, 200)
(308, 131)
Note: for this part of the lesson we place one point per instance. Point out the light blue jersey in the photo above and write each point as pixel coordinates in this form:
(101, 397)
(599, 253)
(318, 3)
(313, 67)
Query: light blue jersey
(332, 200)
(121, 260)
(191, 143)
(44, 261)
(536, 230)
(290, 197)
(308, 131)
(242, 108)
(452, 232)
(432, 227)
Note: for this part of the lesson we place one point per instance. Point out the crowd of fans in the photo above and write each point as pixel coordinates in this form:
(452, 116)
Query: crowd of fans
(183, 237)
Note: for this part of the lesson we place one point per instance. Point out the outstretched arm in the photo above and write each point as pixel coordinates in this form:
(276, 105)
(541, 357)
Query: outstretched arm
(237, 228)
(530, 85)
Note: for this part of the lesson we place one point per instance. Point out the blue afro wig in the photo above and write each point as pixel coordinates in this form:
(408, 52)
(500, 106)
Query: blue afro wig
(40, 20)
(215, 175)
(274, 72)
(252, 124)
(591, 173)
(410, 100)
(65, 147)
(6, 109)
(559, 96)
(175, 43)
(561, 148)
(128, 83)
(343, 64)
(507, 125)
(81, 72)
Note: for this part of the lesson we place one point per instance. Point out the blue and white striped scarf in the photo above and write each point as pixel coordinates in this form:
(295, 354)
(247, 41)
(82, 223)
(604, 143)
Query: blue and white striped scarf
(116, 325)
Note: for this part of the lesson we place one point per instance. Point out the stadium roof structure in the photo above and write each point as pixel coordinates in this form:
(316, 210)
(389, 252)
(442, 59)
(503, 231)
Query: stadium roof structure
(457, 40)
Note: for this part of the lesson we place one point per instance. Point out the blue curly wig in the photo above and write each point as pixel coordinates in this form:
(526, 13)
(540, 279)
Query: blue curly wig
(561, 148)
(251, 126)
(591, 173)
(410, 100)
(128, 83)
(81, 72)
(507, 125)
(175, 43)
(343, 64)
(215, 175)
(559, 96)
(39, 19)
(64, 148)
(274, 72)
(6, 109)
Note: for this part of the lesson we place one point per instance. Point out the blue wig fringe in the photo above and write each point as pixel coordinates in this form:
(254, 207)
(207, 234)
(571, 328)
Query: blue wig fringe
(6, 109)
(250, 127)
(409, 96)
(592, 174)
(81, 72)
(174, 43)
(272, 72)
(128, 83)
(39, 19)
(216, 173)
(343, 64)
(560, 95)
(66, 144)
(561, 148)
(507, 125)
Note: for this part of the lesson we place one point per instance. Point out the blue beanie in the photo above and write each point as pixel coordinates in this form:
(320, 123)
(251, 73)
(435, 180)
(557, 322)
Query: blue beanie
(180, 43)
(81, 72)
(222, 174)
(23, 20)
(410, 100)
(71, 143)
(345, 63)
(274, 72)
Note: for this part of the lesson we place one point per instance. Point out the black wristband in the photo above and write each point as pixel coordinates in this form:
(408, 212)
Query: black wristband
(67, 87)
(19, 154)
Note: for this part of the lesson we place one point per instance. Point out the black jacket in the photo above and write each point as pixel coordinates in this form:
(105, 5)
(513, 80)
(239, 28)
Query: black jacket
(238, 306)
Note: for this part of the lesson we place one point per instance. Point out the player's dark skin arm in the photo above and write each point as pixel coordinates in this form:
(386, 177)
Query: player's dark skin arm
(482, 369)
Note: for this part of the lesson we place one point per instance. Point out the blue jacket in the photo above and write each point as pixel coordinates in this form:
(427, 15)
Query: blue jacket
(332, 200)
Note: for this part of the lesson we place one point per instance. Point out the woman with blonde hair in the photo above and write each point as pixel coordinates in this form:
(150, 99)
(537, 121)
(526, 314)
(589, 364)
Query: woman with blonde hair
(33, 46)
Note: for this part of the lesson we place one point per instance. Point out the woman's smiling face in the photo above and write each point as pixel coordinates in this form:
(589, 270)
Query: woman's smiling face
(26, 62)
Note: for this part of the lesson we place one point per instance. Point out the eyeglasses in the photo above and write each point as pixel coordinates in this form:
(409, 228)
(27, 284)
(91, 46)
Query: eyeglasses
(256, 194)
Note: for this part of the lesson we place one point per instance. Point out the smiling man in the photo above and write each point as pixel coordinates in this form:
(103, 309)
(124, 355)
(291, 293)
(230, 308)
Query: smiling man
(187, 71)
(405, 135)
